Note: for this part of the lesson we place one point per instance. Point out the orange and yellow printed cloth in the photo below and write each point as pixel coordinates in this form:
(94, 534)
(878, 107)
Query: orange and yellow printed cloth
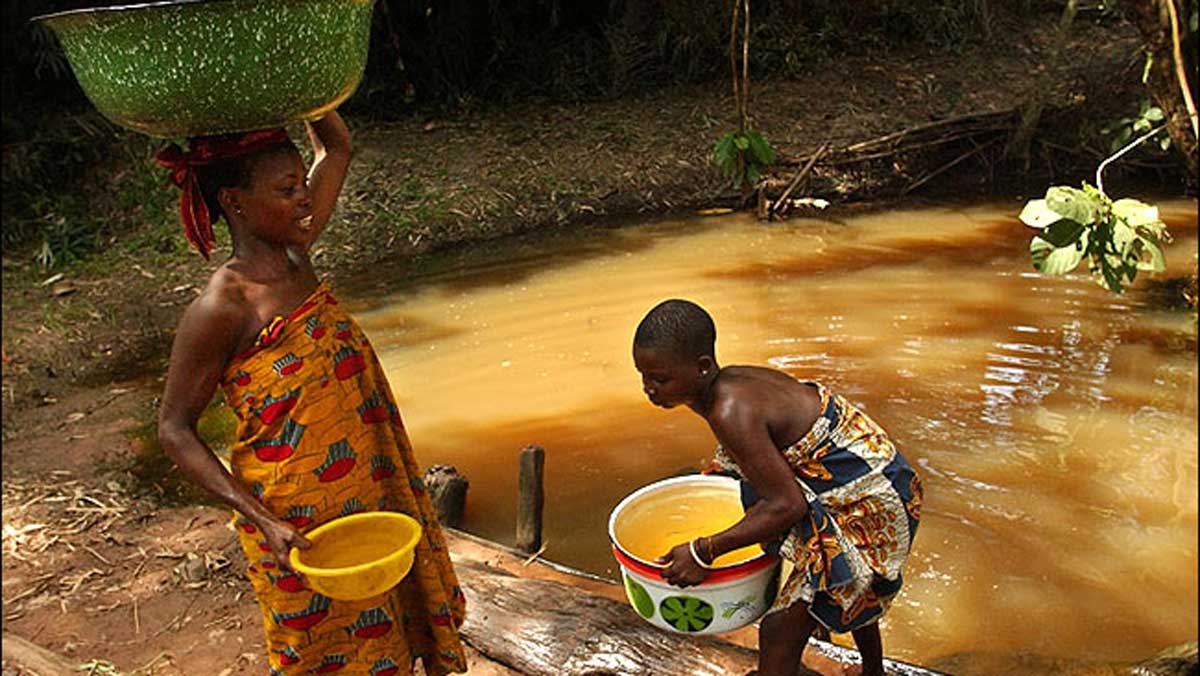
(864, 504)
(319, 437)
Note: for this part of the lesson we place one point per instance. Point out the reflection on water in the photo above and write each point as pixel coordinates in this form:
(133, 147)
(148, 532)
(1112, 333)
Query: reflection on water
(1055, 424)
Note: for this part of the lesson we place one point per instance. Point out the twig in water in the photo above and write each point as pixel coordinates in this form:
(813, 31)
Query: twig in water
(533, 557)
(800, 176)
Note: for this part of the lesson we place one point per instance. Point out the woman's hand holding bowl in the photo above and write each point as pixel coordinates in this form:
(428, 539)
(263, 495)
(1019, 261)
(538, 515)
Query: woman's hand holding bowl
(281, 537)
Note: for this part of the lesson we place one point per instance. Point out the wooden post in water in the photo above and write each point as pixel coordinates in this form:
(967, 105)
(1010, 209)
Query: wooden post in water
(448, 492)
(530, 497)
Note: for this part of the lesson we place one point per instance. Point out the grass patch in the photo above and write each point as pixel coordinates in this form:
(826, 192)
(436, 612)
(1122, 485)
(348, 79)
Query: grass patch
(74, 185)
(386, 203)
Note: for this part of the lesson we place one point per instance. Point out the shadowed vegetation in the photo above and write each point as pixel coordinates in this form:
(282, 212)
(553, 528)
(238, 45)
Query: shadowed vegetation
(428, 57)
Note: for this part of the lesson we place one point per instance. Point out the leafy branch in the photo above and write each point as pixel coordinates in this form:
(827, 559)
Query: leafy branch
(1147, 117)
(1117, 238)
(742, 155)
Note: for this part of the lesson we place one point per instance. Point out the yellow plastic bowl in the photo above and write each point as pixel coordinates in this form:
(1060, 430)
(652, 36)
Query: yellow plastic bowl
(358, 556)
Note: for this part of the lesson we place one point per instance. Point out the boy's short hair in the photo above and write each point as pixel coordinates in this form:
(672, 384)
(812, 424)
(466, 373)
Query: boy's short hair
(679, 326)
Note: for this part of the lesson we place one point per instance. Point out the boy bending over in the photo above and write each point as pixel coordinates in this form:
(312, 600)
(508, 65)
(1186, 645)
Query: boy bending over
(822, 481)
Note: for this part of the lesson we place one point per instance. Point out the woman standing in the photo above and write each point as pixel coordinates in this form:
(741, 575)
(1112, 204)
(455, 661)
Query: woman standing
(319, 435)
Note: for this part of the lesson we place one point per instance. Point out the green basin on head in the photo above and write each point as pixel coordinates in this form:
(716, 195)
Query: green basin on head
(197, 67)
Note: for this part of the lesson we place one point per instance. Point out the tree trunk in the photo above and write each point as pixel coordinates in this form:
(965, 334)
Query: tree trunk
(1153, 21)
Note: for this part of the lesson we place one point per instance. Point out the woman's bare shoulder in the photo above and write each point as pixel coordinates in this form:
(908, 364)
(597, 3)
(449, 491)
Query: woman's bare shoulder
(221, 306)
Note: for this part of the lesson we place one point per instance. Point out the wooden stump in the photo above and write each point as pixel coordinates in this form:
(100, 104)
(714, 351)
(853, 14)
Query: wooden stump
(530, 497)
(448, 492)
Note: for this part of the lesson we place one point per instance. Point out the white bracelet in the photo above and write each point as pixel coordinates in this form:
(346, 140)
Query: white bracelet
(696, 557)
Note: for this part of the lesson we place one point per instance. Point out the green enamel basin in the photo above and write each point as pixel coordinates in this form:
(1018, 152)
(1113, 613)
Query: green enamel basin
(197, 67)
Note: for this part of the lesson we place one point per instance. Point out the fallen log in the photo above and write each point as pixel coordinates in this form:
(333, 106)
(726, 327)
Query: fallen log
(925, 136)
(546, 628)
(934, 129)
(946, 167)
(544, 619)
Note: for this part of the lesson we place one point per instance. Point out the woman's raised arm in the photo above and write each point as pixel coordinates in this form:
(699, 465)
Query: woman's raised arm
(332, 151)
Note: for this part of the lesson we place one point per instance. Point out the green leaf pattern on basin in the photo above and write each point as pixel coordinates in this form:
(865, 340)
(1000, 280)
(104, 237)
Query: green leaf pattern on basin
(193, 68)
(639, 597)
(729, 609)
(686, 613)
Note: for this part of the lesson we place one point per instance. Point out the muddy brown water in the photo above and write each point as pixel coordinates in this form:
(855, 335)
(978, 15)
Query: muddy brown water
(1054, 424)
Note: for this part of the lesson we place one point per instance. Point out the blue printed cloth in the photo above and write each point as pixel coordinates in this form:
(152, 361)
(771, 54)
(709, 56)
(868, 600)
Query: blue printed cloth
(864, 505)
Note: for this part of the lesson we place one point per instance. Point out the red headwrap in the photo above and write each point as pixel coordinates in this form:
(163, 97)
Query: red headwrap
(197, 225)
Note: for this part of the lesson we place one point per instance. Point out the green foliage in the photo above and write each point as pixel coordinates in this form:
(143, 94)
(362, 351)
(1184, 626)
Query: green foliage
(742, 157)
(74, 182)
(64, 241)
(458, 52)
(1117, 238)
(1127, 128)
(40, 208)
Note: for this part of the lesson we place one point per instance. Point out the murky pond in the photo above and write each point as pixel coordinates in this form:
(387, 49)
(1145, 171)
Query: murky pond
(1055, 424)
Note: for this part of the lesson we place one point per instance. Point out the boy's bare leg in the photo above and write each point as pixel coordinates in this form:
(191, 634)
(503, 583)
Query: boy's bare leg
(871, 648)
(782, 636)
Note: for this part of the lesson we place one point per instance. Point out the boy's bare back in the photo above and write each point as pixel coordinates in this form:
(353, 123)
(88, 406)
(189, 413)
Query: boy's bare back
(757, 395)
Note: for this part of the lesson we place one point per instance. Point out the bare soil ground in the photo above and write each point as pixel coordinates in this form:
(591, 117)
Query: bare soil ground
(97, 566)
(105, 577)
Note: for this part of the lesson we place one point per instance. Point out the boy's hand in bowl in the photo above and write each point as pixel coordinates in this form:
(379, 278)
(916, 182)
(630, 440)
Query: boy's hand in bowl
(679, 568)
